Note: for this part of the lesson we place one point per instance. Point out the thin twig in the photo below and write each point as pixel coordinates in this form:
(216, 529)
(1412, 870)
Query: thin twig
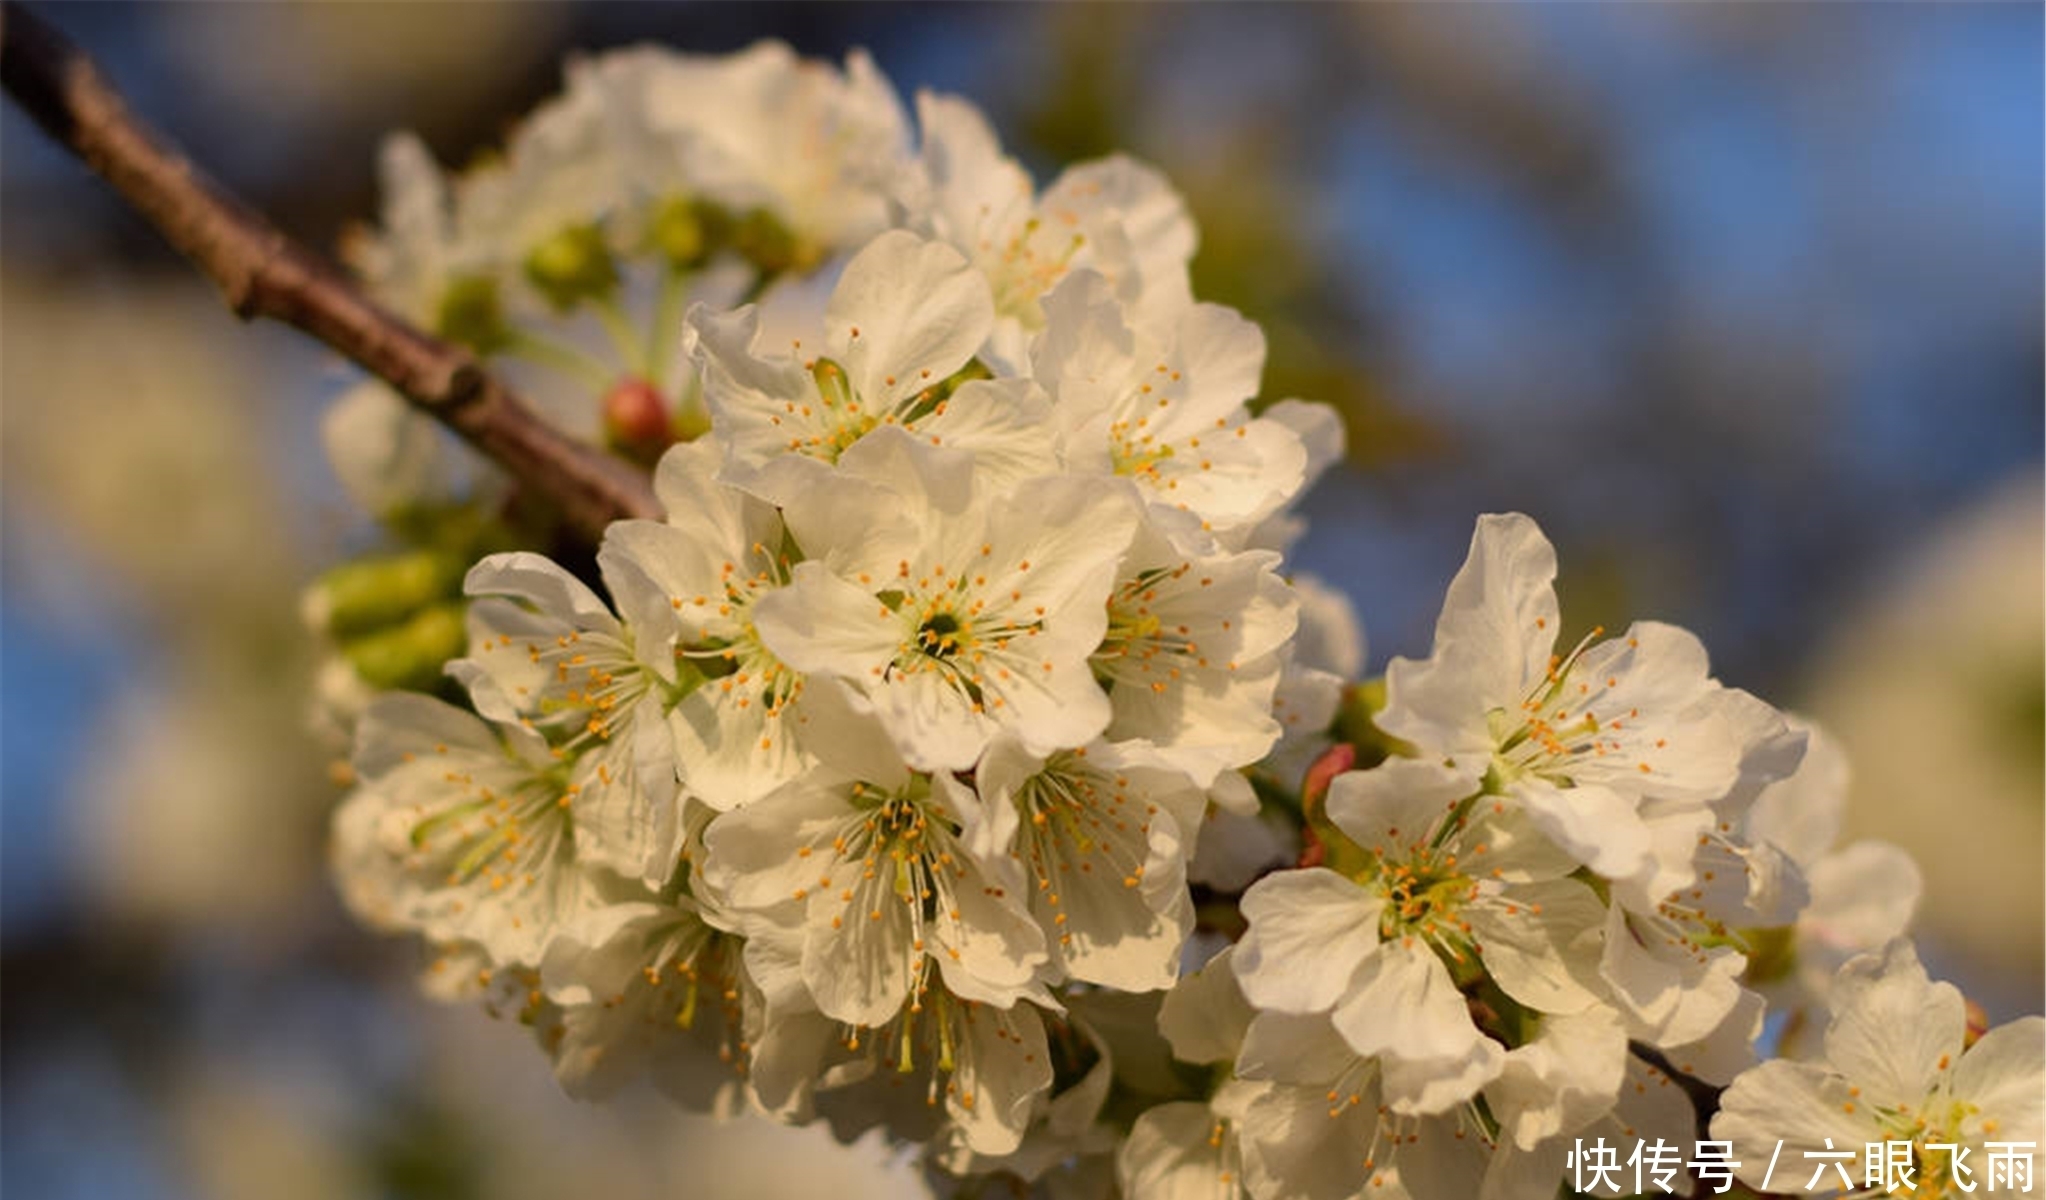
(263, 273)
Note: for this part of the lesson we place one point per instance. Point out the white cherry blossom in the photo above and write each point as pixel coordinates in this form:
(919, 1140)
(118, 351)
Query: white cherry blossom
(706, 569)
(952, 1070)
(1102, 835)
(1167, 407)
(548, 654)
(1456, 884)
(958, 614)
(905, 316)
(1114, 216)
(1193, 653)
(1582, 740)
(650, 986)
(879, 859)
(459, 830)
(1894, 1067)
(759, 129)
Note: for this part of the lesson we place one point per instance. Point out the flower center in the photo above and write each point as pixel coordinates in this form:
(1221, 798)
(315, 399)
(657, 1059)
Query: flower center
(1423, 897)
(1555, 729)
(1027, 267)
(502, 839)
(734, 659)
(940, 635)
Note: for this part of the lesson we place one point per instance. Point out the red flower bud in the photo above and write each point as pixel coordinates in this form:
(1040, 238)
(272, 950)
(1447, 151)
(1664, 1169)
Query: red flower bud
(636, 419)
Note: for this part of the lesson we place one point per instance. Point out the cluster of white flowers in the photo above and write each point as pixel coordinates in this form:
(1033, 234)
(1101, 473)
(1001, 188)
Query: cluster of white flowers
(1555, 863)
(874, 783)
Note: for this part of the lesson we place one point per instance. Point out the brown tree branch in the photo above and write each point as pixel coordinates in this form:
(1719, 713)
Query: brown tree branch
(263, 273)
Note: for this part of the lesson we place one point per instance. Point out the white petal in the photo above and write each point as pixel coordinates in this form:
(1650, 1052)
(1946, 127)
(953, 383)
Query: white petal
(1541, 943)
(628, 804)
(1672, 991)
(1205, 1015)
(905, 313)
(752, 854)
(841, 729)
(1003, 1068)
(988, 948)
(1294, 1048)
(1171, 1153)
(2000, 1076)
(731, 755)
(1558, 1083)
(822, 623)
(1728, 1050)
(1424, 1086)
(1223, 356)
(1492, 641)
(1297, 1145)
(1599, 827)
(1004, 424)
(1404, 1005)
(1802, 814)
(1861, 897)
(747, 393)
(535, 579)
(1893, 1027)
(1309, 932)
(1802, 1106)
(1394, 808)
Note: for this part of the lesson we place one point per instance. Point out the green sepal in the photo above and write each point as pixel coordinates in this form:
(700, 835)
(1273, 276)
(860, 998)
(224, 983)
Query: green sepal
(373, 593)
(412, 655)
(1356, 723)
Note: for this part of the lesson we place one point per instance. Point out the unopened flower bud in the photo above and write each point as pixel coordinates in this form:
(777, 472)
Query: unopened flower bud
(412, 655)
(769, 245)
(685, 232)
(373, 593)
(572, 266)
(636, 419)
(1978, 1024)
(471, 312)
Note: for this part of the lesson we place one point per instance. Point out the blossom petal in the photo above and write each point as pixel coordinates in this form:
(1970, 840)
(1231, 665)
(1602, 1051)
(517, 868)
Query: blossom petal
(1205, 1016)
(1394, 808)
(1309, 932)
(906, 313)
(1403, 1004)
(1597, 826)
(1893, 1027)
(1541, 943)
(1999, 1076)
(1492, 641)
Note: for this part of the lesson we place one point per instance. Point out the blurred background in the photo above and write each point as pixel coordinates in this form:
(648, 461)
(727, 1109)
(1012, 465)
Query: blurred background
(1742, 302)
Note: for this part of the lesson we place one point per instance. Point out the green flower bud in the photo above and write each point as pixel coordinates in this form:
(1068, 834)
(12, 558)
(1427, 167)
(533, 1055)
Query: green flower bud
(771, 246)
(572, 266)
(471, 313)
(413, 655)
(685, 232)
(692, 421)
(372, 593)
